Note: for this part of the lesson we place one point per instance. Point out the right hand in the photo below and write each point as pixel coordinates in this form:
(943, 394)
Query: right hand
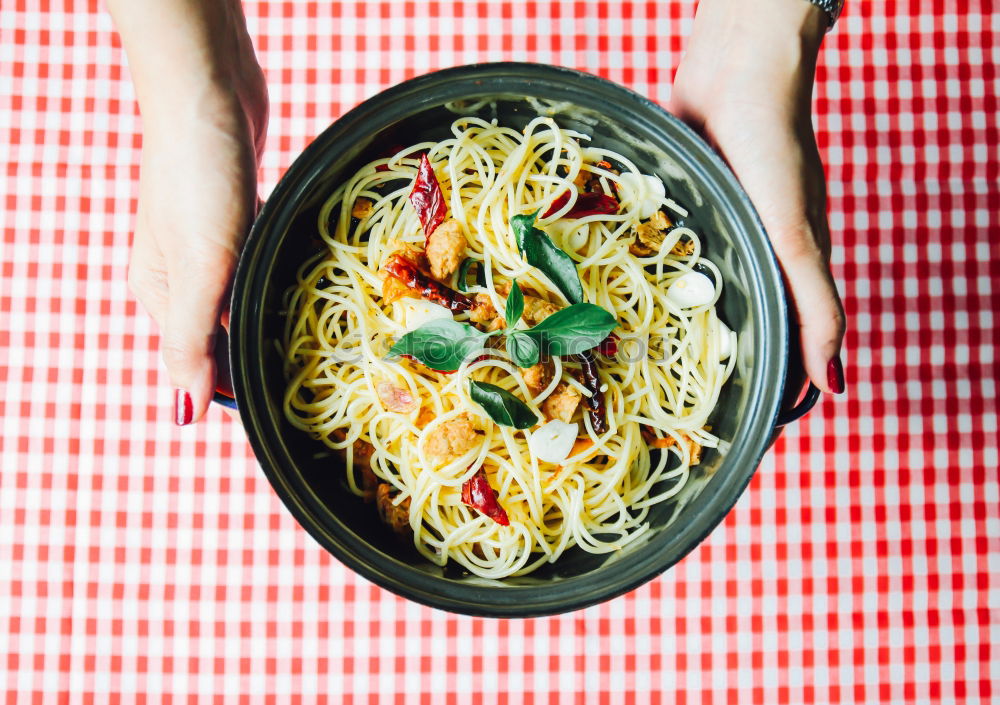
(197, 199)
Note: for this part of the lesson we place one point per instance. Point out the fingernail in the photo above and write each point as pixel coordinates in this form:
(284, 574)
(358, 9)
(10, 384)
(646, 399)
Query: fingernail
(835, 375)
(183, 408)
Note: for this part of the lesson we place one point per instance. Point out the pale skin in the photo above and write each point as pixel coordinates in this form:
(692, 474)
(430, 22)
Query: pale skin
(745, 83)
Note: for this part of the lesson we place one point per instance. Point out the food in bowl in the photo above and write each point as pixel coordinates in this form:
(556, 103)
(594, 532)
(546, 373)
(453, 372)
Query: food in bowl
(510, 338)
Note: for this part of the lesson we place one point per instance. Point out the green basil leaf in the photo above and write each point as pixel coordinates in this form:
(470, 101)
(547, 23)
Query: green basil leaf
(572, 330)
(523, 349)
(515, 305)
(502, 406)
(539, 251)
(441, 345)
(463, 274)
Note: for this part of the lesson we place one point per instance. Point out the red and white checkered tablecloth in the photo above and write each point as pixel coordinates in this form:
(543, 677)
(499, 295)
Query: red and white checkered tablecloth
(140, 562)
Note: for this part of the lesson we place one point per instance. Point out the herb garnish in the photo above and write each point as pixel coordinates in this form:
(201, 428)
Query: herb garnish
(539, 251)
(515, 305)
(444, 344)
(463, 273)
(441, 345)
(568, 331)
(502, 406)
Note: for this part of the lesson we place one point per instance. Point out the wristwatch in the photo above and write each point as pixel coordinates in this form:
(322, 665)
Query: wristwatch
(832, 9)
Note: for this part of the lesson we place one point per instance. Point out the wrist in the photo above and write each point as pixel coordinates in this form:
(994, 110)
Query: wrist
(762, 55)
(786, 32)
(189, 60)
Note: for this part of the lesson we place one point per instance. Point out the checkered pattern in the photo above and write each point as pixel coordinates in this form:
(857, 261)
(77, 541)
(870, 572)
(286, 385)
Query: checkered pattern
(144, 563)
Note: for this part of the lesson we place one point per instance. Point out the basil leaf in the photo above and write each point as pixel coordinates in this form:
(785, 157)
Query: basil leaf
(515, 305)
(502, 406)
(539, 251)
(441, 345)
(523, 349)
(572, 330)
(463, 274)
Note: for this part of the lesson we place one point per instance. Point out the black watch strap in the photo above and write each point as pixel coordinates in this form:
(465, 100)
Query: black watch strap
(832, 9)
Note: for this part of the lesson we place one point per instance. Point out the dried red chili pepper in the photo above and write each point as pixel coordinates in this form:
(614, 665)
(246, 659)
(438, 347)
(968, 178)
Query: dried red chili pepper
(407, 272)
(595, 402)
(427, 198)
(609, 346)
(477, 493)
(586, 204)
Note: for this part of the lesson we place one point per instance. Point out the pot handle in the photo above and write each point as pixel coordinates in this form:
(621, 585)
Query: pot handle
(224, 379)
(226, 401)
(800, 409)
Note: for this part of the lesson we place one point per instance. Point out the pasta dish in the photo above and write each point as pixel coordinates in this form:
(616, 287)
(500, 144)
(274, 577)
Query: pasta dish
(509, 342)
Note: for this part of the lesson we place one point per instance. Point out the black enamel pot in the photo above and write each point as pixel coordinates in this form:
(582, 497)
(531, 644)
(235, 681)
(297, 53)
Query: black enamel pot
(753, 304)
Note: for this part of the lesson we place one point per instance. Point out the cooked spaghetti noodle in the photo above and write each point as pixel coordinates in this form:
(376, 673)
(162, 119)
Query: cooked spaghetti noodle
(394, 415)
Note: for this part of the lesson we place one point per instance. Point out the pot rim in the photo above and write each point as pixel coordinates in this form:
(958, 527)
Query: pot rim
(717, 498)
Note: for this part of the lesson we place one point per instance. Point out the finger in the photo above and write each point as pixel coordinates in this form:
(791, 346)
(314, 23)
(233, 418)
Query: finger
(817, 305)
(782, 174)
(197, 292)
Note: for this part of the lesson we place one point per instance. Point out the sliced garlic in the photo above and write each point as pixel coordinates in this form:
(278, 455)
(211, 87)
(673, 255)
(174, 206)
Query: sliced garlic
(413, 313)
(726, 342)
(649, 192)
(691, 289)
(578, 238)
(552, 442)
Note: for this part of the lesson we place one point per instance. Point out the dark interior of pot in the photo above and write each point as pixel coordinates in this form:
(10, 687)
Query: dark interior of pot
(286, 236)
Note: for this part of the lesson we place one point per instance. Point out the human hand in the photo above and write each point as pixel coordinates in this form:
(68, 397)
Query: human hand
(746, 84)
(204, 127)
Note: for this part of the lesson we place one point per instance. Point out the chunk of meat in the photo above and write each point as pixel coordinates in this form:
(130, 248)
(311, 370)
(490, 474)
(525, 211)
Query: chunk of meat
(683, 248)
(537, 377)
(562, 403)
(660, 221)
(395, 398)
(445, 248)
(694, 448)
(482, 311)
(362, 208)
(394, 290)
(649, 235)
(361, 465)
(694, 451)
(395, 516)
(409, 250)
(451, 439)
(589, 181)
(637, 249)
(537, 310)
(425, 416)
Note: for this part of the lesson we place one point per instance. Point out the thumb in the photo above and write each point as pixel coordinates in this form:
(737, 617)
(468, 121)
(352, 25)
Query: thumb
(196, 299)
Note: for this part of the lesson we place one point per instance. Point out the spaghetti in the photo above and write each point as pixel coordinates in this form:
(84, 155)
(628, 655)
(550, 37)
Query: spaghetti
(449, 471)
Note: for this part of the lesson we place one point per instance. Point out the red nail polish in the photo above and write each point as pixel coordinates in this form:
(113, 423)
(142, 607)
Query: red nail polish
(183, 408)
(835, 375)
